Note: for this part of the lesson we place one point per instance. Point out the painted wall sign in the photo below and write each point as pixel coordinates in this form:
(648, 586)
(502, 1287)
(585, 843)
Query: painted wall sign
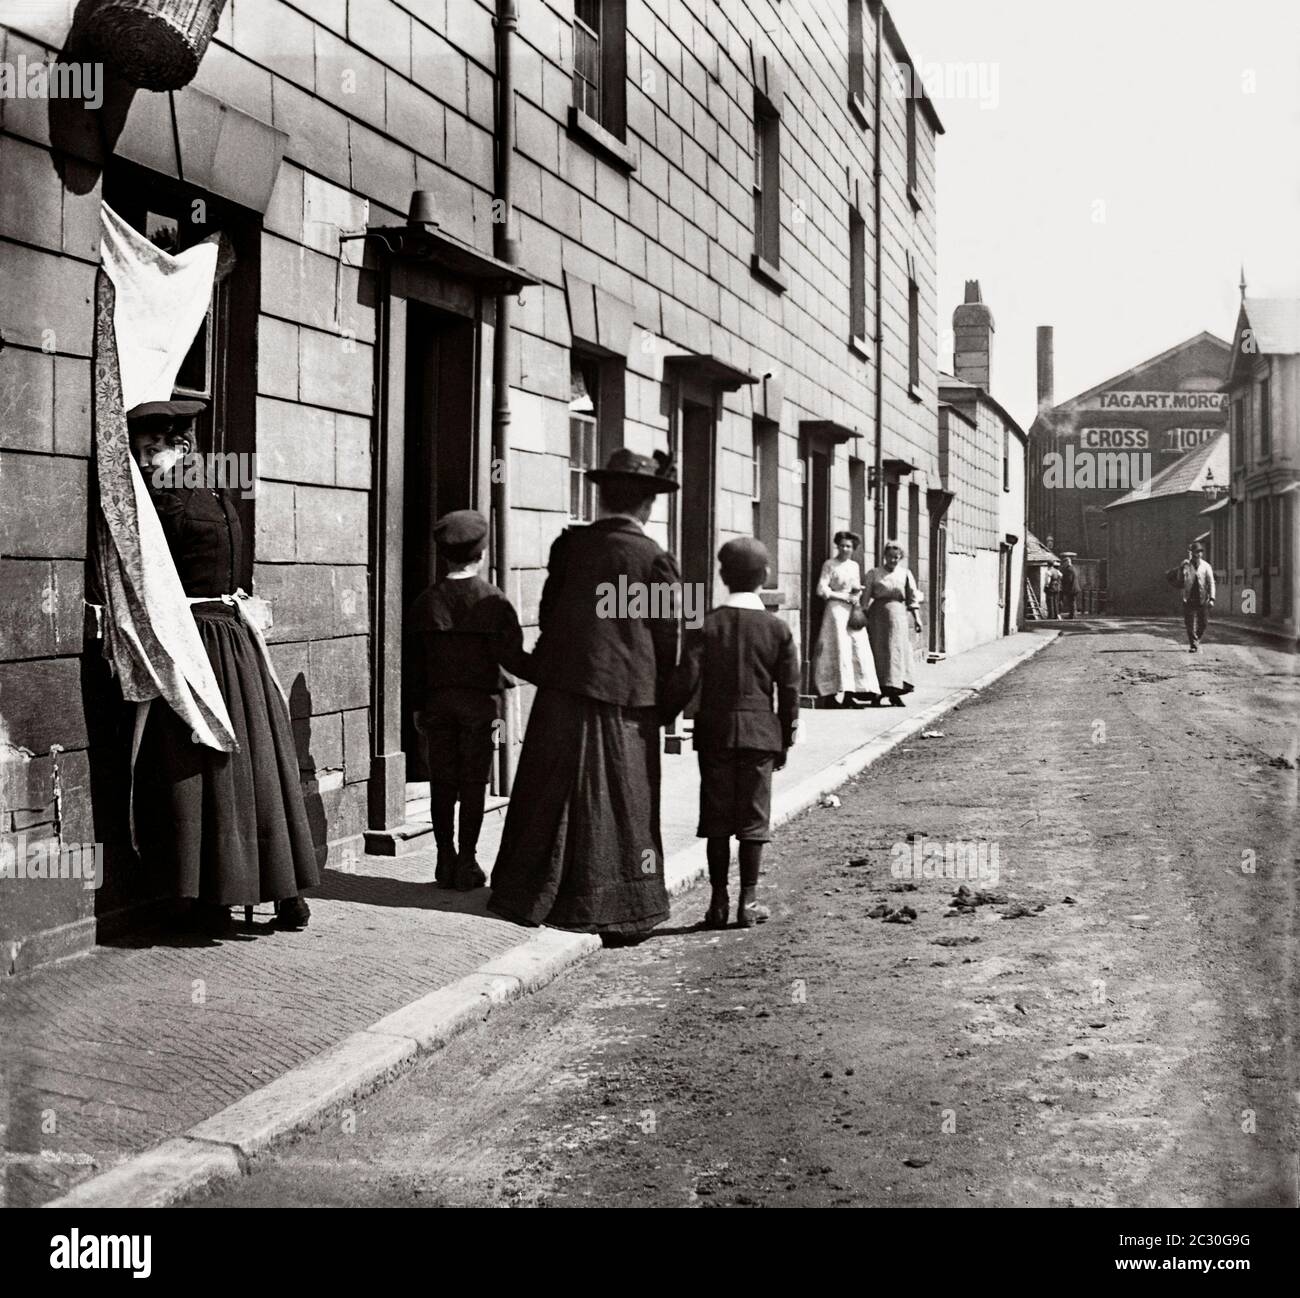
(1182, 439)
(1114, 439)
(1157, 401)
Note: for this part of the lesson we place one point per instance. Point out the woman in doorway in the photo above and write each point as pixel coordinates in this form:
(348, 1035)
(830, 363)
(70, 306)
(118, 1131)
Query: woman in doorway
(891, 600)
(581, 847)
(229, 829)
(842, 664)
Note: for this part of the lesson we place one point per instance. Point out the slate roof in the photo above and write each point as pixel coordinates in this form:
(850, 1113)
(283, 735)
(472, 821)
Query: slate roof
(1186, 474)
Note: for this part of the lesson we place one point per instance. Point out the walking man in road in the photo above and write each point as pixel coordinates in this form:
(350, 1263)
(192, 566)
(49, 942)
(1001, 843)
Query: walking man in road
(1196, 578)
(1069, 586)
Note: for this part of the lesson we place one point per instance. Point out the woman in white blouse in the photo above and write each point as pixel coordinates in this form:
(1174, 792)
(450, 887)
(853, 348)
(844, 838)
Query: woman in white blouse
(842, 663)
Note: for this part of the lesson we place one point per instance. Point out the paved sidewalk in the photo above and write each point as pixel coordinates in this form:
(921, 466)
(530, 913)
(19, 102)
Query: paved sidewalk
(114, 1053)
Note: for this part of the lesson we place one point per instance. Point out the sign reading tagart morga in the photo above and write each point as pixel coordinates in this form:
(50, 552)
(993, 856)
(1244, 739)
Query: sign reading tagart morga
(1124, 400)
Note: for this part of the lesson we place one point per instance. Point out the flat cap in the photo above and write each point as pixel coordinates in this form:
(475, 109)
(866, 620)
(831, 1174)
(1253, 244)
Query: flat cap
(177, 409)
(743, 556)
(460, 527)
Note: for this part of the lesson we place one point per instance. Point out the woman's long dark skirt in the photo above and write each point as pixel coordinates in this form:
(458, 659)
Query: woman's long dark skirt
(581, 847)
(226, 828)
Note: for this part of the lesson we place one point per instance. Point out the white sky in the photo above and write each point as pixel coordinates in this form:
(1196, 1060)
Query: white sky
(1145, 107)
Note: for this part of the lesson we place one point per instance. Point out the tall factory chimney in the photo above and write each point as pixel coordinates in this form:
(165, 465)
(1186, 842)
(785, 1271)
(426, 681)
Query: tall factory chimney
(972, 329)
(1046, 369)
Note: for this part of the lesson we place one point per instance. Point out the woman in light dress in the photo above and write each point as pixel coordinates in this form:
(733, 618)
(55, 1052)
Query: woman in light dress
(891, 599)
(842, 662)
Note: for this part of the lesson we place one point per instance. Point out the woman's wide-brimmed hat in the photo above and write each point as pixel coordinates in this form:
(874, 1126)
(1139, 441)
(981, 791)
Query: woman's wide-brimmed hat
(658, 473)
(180, 409)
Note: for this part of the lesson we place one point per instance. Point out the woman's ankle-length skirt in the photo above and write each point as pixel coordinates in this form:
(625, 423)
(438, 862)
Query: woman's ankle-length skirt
(229, 829)
(581, 847)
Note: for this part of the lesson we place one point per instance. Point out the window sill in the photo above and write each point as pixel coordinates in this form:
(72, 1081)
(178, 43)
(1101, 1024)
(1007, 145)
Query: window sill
(914, 391)
(914, 198)
(859, 347)
(590, 132)
(764, 270)
(858, 107)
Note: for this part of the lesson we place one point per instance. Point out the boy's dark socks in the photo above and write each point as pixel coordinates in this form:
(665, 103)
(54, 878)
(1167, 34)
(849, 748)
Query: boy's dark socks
(718, 854)
(751, 859)
(472, 799)
(442, 811)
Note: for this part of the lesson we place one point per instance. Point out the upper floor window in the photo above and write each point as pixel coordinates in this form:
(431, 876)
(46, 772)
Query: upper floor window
(599, 112)
(1265, 420)
(911, 142)
(857, 61)
(857, 281)
(914, 338)
(584, 439)
(767, 187)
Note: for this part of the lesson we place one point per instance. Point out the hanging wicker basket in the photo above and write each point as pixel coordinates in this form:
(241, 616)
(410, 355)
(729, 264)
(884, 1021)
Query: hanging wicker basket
(155, 44)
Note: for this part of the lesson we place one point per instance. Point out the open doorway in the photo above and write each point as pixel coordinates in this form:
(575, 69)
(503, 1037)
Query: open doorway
(438, 476)
(817, 511)
(697, 456)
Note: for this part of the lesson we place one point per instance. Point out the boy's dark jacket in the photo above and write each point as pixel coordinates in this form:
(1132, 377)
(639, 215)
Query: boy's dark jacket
(737, 660)
(465, 631)
(582, 650)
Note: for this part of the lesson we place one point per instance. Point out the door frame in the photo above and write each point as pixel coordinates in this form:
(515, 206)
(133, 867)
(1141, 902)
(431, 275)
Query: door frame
(401, 282)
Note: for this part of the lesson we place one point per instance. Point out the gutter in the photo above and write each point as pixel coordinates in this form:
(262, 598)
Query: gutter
(507, 23)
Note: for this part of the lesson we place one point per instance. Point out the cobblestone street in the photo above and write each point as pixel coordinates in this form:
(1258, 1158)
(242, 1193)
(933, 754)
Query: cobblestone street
(1116, 1028)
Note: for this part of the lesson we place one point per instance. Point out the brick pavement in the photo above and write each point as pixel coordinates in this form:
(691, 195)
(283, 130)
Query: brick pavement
(110, 1053)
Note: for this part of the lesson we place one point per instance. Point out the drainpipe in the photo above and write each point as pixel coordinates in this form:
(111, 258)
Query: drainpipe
(507, 23)
(879, 513)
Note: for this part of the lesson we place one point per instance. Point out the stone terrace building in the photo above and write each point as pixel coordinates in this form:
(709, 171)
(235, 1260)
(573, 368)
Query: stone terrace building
(705, 265)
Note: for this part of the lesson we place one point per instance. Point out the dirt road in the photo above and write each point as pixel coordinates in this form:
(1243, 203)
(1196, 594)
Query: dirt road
(1116, 1026)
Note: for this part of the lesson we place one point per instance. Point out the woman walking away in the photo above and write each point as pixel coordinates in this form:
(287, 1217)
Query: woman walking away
(891, 599)
(581, 847)
(842, 661)
(229, 829)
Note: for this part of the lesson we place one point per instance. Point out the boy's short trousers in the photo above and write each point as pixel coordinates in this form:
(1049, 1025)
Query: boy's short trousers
(735, 794)
(458, 726)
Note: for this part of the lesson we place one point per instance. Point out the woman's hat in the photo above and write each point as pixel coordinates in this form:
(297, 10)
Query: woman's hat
(657, 474)
(167, 409)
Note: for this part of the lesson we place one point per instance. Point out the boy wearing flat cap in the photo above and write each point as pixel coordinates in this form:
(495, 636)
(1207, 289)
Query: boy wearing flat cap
(467, 631)
(745, 667)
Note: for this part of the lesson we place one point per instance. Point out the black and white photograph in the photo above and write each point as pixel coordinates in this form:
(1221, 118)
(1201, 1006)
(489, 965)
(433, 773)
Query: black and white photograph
(650, 604)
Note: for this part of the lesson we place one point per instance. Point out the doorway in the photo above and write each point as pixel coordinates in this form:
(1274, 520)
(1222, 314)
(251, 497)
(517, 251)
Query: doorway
(938, 585)
(696, 553)
(817, 510)
(438, 476)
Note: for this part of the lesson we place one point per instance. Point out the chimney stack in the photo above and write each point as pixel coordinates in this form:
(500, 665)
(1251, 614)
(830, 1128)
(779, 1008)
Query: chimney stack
(1046, 369)
(972, 328)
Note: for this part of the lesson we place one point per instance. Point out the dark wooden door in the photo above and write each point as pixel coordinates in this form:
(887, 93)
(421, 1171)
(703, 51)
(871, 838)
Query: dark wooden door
(696, 556)
(817, 510)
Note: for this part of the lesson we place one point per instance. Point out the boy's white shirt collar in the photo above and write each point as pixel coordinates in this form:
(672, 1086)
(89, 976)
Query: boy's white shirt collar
(459, 576)
(744, 599)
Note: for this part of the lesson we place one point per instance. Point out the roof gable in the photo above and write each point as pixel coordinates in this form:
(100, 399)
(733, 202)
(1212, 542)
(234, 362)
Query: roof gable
(1204, 339)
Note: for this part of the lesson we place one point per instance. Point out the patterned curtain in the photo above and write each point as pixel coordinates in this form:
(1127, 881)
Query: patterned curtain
(150, 639)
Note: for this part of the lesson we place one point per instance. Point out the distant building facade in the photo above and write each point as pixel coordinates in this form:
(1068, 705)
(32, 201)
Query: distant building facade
(1255, 532)
(1148, 530)
(978, 539)
(1090, 451)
